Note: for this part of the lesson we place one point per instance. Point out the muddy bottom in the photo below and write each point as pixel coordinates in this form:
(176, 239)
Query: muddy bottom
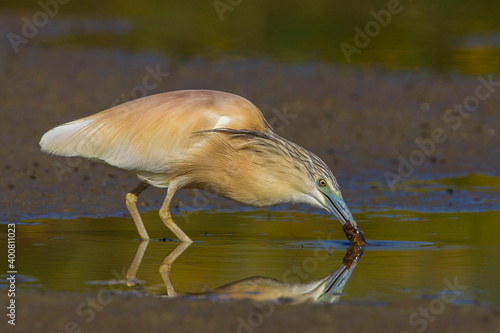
(63, 311)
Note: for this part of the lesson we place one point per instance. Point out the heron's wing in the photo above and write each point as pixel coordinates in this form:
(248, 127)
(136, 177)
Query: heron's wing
(145, 134)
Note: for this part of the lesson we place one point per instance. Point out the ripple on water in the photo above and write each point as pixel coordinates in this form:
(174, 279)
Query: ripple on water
(375, 245)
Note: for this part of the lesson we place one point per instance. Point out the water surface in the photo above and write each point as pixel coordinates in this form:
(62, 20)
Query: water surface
(410, 254)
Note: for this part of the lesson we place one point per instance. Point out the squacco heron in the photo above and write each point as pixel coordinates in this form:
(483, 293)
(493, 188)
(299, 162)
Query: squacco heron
(210, 140)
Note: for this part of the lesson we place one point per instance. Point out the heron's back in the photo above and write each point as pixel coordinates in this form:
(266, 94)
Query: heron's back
(145, 134)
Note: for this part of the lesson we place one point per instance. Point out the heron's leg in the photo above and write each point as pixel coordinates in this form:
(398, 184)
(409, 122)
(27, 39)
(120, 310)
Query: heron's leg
(167, 218)
(131, 200)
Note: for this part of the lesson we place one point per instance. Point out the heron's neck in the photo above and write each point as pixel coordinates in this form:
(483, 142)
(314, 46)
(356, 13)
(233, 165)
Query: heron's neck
(245, 178)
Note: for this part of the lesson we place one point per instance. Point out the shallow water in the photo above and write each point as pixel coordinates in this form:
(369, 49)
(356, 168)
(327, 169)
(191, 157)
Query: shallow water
(410, 254)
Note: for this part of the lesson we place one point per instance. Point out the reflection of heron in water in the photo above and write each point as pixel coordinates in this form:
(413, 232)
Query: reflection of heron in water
(260, 288)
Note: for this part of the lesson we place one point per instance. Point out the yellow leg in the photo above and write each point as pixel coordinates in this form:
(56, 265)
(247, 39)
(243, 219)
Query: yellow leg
(131, 201)
(167, 219)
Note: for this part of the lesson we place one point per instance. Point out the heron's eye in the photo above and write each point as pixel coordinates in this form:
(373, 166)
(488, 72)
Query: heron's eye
(321, 182)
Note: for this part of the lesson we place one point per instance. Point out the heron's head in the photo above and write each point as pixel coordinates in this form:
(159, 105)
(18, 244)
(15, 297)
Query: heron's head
(321, 188)
(327, 194)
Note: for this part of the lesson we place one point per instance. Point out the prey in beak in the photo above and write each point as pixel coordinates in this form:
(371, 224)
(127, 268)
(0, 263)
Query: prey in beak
(335, 204)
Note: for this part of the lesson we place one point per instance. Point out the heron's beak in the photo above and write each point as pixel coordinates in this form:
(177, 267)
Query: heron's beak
(336, 205)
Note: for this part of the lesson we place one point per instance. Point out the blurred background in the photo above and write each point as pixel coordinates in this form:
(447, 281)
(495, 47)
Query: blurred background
(355, 82)
(442, 36)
